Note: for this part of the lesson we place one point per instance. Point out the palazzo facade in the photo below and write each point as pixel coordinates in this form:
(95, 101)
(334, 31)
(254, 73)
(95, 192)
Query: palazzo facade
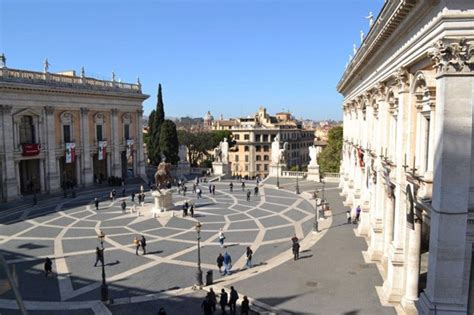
(408, 152)
(63, 130)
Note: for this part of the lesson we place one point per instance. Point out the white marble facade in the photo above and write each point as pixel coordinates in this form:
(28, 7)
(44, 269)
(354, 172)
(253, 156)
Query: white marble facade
(407, 154)
(40, 112)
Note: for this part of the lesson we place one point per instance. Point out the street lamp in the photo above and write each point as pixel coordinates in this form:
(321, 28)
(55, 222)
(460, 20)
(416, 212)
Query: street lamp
(199, 270)
(316, 212)
(278, 176)
(104, 290)
(297, 185)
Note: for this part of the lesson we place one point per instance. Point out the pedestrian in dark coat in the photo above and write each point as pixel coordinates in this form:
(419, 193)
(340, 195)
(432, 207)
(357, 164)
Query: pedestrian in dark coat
(161, 311)
(255, 191)
(348, 215)
(220, 261)
(296, 251)
(143, 244)
(245, 307)
(114, 194)
(133, 196)
(123, 191)
(213, 189)
(212, 299)
(248, 195)
(124, 206)
(243, 186)
(249, 254)
(210, 189)
(136, 242)
(207, 306)
(223, 301)
(96, 202)
(99, 256)
(191, 209)
(234, 296)
(48, 267)
(231, 186)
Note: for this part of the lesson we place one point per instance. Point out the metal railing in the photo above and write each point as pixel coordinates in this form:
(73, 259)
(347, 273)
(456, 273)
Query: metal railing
(293, 174)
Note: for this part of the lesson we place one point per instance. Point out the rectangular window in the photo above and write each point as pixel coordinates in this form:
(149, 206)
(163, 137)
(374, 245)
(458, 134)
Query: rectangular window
(265, 158)
(67, 133)
(236, 158)
(273, 138)
(258, 167)
(126, 131)
(98, 129)
(27, 130)
(259, 158)
(265, 148)
(257, 138)
(258, 148)
(265, 138)
(246, 137)
(246, 148)
(246, 158)
(246, 168)
(265, 167)
(237, 137)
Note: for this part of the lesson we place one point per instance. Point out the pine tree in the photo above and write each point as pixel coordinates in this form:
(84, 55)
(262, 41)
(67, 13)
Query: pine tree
(169, 144)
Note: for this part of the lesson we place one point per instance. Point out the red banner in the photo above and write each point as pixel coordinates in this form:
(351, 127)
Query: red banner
(30, 149)
(360, 154)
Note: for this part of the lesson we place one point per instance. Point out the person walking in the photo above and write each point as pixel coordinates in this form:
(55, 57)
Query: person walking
(136, 242)
(111, 196)
(194, 188)
(234, 296)
(223, 301)
(243, 186)
(214, 190)
(140, 199)
(124, 206)
(248, 195)
(244, 306)
(231, 186)
(191, 209)
(99, 256)
(185, 209)
(206, 305)
(220, 262)
(210, 189)
(143, 244)
(185, 189)
(296, 250)
(198, 192)
(96, 202)
(114, 194)
(161, 311)
(249, 254)
(255, 191)
(212, 299)
(227, 263)
(294, 240)
(357, 218)
(48, 267)
(221, 237)
(123, 191)
(133, 196)
(143, 199)
(348, 215)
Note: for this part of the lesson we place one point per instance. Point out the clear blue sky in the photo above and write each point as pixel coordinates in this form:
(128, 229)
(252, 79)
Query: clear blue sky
(229, 57)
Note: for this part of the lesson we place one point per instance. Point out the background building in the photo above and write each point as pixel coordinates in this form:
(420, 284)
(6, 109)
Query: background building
(407, 156)
(251, 155)
(60, 130)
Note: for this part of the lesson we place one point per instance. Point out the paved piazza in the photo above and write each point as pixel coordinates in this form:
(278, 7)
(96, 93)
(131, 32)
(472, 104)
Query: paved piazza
(66, 230)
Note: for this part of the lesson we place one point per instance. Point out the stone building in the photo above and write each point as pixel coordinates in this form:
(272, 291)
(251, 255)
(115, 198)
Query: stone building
(407, 155)
(58, 130)
(251, 155)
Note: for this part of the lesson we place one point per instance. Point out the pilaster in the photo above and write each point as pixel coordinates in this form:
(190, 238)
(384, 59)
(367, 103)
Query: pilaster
(53, 178)
(10, 180)
(85, 163)
(115, 144)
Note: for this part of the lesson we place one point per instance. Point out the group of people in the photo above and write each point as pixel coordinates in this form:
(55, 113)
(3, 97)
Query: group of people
(123, 205)
(188, 206)
(226, 260)
(354, 219)
(230, 299)
(140, 243)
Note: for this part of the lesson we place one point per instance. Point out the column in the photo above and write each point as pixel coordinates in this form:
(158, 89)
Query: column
(85, 164)
(388, 228)
(412, 267)
(140, 156)
(115, 161)
(10, 179)
(393, 285)
(50, 151)
(449, 259)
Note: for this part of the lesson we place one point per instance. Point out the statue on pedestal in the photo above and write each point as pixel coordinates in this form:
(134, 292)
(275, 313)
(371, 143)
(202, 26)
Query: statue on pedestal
(163, 175)
(278, 155)
(314, 152)
(183, 153)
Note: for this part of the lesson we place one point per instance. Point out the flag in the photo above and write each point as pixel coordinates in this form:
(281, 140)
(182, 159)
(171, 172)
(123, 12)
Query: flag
(410, 209)
(129, 148)
(70, 152)
(102, 154)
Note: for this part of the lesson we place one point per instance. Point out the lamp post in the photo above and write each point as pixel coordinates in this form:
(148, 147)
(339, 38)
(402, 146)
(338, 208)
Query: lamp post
(316, 212)
(297, 185)
(104, 290)
(278, 175)
(199, 270)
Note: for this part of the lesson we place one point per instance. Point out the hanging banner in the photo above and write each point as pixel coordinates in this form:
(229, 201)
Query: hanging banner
(360, 155)
(70, 152)
(410, 208)
(102, 154)
(129, 148)
(30, 149)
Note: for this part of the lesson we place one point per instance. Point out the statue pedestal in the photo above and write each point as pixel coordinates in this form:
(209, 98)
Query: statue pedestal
(184, 168)
(220, 168)
(276, 169)
(313, 173)
(163, 200)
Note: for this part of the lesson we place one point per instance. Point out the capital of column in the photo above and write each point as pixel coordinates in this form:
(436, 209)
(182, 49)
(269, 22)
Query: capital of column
(114, 111)
(6, 109)
(84, 110)
(453, 57)
(49, 110)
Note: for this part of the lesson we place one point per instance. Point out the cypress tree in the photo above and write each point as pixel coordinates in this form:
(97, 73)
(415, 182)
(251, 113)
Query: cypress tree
(169, 143)
(160, 112)
(151, 131)
(155, 122)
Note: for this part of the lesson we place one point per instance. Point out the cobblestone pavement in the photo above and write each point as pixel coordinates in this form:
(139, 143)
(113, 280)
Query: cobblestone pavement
(66, 231)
